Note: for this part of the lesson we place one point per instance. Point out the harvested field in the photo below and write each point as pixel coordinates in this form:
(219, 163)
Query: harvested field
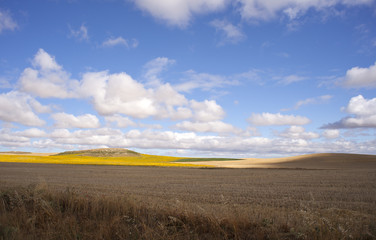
(278, 203)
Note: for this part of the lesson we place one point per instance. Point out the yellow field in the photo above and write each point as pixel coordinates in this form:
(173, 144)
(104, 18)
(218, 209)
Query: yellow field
(142, 160)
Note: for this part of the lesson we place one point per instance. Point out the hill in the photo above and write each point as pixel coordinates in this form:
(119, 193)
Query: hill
(103, 152)
(308, 161)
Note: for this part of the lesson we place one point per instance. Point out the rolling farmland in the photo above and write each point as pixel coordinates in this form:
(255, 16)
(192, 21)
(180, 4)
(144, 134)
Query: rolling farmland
(180, 203)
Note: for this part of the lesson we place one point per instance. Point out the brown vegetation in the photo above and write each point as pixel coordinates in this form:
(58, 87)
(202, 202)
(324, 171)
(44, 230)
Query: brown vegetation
(119, 202)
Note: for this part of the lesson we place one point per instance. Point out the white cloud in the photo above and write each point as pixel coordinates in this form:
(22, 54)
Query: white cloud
(267, 119)
(292, 9)
(32, 133)
(214, 126)
(358, 77)
(231, 33)
(363, 111)
(207, 111)
(121, 94)
(10, 139)
(6, 21)
(298, 132)
(38, 107)
(242, 146)
(121, 122)
(48, 79)
(331, 133)
(179, 12)
(17, 107)
(111, 42)
(166, 94)
(362, 107)
(80, 34)
(118, 93)
(88, 138)
(64, 120)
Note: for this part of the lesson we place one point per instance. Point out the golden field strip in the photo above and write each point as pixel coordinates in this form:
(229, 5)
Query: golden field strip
(141, 160)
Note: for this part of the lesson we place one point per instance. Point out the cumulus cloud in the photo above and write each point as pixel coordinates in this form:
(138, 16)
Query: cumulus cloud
(65, 120)
(10, 139)
(115, 93)
(47, 78)
(87, 138)
(122, 122)
(207, 111)
(118, 93)
(363, 114)
(265, 10)
(236, 145)
(121, 94)
(331, 133)
(32, 133)
(81, 34)
(298, 132)
(17, 107)
(358, 77)
(230, 33)
(214, 126)
(179, 12)
(268, 119)
(6, 21)
(120, 41)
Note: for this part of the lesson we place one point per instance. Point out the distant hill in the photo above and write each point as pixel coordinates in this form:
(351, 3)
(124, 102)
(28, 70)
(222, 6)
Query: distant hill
(103, 152)
(329, 160)
(308, 161)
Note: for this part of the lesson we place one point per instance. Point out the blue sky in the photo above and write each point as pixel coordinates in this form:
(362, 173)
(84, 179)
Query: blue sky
(244, 78)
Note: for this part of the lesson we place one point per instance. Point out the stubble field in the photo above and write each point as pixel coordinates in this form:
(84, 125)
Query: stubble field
(135, 202)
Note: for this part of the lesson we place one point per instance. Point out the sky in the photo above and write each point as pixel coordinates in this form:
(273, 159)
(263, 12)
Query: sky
(220, 78)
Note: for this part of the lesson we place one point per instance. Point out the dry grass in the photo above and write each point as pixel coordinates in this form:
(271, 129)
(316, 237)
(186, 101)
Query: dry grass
(39, 213)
